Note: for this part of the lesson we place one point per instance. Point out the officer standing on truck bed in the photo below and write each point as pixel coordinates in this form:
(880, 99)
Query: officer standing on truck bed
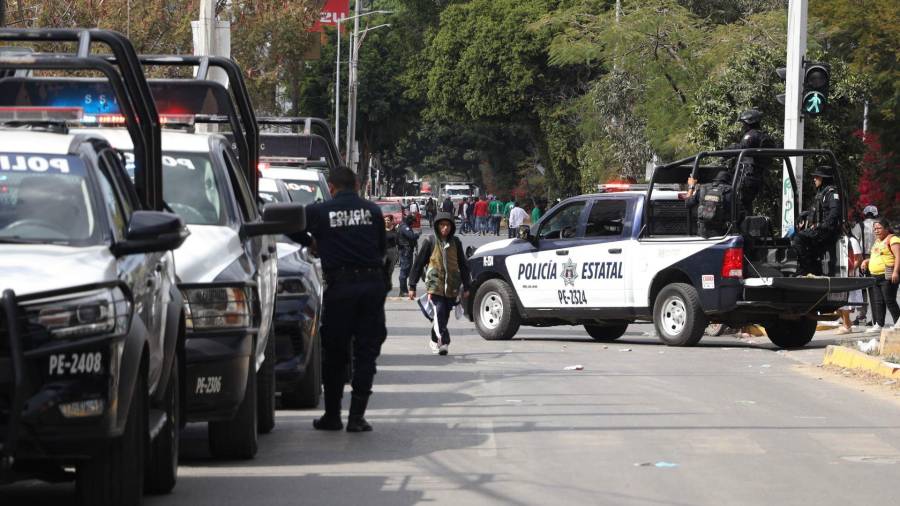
(824, 225)
(349, 235)
(753, 137)
(407, 240)
(713, 202)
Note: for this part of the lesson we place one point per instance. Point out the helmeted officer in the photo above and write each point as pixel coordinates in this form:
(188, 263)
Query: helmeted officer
(407, 240)
(824, 222)
(753, 137)
(713, 202)
(349, 235)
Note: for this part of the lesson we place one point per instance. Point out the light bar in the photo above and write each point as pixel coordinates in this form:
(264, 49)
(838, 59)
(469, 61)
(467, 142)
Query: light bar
(33, 114)
(119, 119)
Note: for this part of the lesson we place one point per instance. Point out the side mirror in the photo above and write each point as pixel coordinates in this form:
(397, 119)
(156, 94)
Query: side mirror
(524, 233)
(151, 231)
(278, 219)
(470, 250)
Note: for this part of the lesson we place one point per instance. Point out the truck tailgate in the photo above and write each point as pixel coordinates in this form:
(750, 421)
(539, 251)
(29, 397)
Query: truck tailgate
(820, 285)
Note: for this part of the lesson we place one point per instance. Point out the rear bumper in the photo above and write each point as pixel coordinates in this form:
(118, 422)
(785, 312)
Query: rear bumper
(798, 296)
(216, 367)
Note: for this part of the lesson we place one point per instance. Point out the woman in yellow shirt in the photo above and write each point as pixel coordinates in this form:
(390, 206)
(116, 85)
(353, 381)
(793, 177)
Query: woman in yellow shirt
(884, 265)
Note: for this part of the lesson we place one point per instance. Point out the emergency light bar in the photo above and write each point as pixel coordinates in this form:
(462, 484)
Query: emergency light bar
(41, 114)
(118, 119)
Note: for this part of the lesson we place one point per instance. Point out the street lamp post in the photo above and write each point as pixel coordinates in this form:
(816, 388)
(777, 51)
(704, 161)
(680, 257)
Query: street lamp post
(350, 66)
(354, 86)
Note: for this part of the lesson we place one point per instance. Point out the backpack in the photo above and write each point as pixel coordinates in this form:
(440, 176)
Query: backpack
(712, 204)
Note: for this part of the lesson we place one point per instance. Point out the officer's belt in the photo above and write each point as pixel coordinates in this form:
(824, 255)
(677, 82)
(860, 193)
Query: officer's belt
(351, 274)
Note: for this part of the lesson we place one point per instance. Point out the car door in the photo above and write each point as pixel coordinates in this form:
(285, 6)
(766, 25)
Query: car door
(145, 272)
(602, 265)
(261, 249)
(543, 277)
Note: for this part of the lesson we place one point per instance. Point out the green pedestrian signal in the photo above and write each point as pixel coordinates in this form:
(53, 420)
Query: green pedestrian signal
(816, 77)
(813, 103)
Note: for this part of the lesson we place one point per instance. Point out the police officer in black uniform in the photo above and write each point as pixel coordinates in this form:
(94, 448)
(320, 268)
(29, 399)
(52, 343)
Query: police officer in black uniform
(407, 239)
(753, 137)
(823, 225)
(713, 202)
(348, 233)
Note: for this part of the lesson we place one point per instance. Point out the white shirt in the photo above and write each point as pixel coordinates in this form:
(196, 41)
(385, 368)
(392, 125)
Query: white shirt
(517, 216)
(414, 208)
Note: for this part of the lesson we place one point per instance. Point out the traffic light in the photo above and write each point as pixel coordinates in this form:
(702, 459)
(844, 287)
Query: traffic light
(815, 87)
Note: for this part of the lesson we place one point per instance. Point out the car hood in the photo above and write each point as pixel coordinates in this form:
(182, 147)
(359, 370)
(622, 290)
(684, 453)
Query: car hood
(207, 252)
(33, 268)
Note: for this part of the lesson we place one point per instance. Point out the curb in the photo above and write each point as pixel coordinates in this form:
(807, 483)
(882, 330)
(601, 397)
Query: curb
(853, 359)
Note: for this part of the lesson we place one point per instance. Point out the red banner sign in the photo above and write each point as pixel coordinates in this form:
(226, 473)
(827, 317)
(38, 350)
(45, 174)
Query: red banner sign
(333, 11)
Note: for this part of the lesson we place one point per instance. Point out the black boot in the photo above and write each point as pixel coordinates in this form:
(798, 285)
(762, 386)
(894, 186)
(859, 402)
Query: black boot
(331, 420)
(355, 420)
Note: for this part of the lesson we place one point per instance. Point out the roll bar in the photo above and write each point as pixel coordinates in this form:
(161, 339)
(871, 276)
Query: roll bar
(127, 79)
(311, 126)
(248, 148)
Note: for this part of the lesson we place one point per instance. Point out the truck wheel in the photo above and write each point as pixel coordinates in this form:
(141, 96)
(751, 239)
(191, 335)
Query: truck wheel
(496, 316)
(309, 390)
(606, 332)
(678, 316)
(790, 333)
(237, 438)
(715, 329)
(114, 476)
(162, 457)
(266, 389)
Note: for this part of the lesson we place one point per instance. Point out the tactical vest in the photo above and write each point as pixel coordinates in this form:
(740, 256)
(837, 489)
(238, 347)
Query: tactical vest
(712, 208)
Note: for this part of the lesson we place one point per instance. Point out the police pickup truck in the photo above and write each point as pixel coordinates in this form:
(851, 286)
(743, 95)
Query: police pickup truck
(91, 321)
(607, 260)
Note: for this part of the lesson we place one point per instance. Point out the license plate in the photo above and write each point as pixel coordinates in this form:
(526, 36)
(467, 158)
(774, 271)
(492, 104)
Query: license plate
(76, 363)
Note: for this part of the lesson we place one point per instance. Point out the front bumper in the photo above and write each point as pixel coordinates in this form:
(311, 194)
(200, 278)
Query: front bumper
(296, 326)
(32, 391)
(217, 363)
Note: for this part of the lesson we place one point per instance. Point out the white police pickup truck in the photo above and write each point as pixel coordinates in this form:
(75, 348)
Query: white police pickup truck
(607, 260)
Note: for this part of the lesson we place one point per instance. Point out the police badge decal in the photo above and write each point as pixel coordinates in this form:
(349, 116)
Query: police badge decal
(568, 273)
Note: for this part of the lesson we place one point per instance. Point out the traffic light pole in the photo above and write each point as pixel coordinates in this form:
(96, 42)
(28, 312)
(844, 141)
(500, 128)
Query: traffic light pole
(793, 119)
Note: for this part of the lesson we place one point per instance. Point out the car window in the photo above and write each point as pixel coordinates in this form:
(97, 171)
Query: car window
(390, 208)
(45, 198)
(304, 192)
(242, 190)
(192, 187)
(606, 219)
(118, 218)
(563, 224)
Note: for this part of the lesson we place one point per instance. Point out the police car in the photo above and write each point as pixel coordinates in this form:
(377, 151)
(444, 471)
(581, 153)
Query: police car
(91, 319)
(305, 186)
(298, 315)
(610, 259)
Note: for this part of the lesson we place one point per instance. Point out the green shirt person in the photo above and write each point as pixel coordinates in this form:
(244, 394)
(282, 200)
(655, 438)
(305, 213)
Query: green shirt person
(494, 207)
(536, 214)
(508, 207)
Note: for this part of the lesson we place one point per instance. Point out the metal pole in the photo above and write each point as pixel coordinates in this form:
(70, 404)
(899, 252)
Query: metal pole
(793, 120)
(351, 108)
(337, 86)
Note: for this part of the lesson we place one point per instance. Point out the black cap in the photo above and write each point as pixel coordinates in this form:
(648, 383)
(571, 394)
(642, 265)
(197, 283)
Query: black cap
(750, 117)
(823, 171)
(409, 219)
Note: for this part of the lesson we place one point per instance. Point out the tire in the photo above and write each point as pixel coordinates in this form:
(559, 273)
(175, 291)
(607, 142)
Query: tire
(114, 476)
(265, 382)
(790, 333)
(308, 392)
(495, 313)
(606, 332)
(161, 471)
(237, 438)
(678, 316)
(715, 329)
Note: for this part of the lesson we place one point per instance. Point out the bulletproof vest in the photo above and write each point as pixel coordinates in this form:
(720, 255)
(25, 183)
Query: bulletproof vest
(402, 240)
(712, 208)
(821, 209)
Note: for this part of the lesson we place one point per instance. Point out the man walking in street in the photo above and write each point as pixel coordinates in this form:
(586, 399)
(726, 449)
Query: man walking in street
(507, 208)
(441, 263)
(536, 212)
(461, 211)
(496, 210)
(447, 205)
(517, 217)
(407, 240)
(481, 216)
(349, 234)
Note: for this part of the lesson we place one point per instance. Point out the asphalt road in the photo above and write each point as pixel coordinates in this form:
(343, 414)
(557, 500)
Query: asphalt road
(731, 421)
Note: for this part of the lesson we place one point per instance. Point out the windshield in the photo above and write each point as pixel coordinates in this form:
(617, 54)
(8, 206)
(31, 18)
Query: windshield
(460, 191)
(390, 208)
(45, 199)
(191, 187)
(304, 192)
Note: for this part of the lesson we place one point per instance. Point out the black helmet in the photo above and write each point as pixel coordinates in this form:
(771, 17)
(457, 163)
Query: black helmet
(823, 171)
(750, 117)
